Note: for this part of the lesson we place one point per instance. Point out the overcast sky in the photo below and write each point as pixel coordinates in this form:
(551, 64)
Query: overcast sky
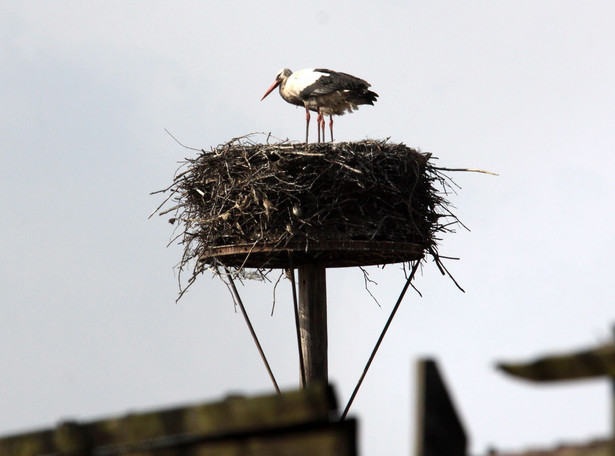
(89, 324)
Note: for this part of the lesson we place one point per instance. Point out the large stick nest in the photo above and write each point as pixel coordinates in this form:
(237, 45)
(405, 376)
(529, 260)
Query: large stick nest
(248, 205)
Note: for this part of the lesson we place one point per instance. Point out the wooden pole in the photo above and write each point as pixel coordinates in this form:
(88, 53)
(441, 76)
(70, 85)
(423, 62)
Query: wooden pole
(313, 323)
(612, 381)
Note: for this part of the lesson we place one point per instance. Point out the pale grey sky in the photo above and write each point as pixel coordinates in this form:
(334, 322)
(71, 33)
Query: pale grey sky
(89, 326)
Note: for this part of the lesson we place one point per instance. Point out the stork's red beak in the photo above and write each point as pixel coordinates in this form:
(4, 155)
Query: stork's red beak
(275, 84)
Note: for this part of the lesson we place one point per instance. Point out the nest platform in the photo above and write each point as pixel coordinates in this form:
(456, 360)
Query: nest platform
(249, 205)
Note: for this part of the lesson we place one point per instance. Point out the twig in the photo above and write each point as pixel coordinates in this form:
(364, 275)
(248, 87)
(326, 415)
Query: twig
(347, 167)
(367, 280)
(275, 287)
(161, 204)
(443, 269)
(177, 141)
(470, 170)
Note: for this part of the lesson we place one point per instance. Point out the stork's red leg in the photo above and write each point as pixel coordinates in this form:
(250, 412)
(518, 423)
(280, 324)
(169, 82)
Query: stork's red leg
(318, 120)
(307, 123)
(330, 127)
(321, 126)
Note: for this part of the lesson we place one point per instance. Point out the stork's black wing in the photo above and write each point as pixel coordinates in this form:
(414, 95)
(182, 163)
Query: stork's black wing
(333, 81)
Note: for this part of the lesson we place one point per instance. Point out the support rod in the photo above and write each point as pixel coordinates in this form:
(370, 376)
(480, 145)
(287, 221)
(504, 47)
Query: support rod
(381, 338)
(251, 328)
(291, 276)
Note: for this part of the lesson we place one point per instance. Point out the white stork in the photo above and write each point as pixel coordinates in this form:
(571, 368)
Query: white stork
(324, 91)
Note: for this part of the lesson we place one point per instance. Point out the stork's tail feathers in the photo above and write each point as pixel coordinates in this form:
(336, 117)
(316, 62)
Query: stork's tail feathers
(363, 96)
(371, 97)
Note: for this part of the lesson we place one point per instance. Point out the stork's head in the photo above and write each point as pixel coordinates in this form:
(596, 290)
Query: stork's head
(281, 77)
